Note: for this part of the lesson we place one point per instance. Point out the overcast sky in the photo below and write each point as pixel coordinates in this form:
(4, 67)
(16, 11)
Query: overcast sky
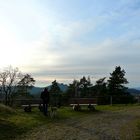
(66, 39)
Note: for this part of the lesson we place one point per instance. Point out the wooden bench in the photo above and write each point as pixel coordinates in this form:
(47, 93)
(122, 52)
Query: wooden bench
(77, 103)
(28, 107)
(52, 111)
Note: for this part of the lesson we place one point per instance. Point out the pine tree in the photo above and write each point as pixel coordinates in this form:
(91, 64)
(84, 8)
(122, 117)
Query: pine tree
(100, 87)
(84, 86)
(55, 89)
(73, 89)
(55, 94)
(116, 82)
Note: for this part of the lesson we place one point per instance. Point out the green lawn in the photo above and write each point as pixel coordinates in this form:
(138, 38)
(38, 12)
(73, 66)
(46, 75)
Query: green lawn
(16, 123)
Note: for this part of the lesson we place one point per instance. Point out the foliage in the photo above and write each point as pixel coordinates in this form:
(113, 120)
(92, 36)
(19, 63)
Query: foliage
(116, 82)
(73, 89)
(24, 85)
(54, 87)
(116, 87)
(9, 78)
(100, 87)
(81, 88)
(13, 83)
(55, 94)
(84, 86)
(65, 99)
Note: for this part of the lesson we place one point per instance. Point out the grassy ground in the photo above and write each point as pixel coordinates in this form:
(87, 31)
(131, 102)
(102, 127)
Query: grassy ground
(14, 123)
(117, 122)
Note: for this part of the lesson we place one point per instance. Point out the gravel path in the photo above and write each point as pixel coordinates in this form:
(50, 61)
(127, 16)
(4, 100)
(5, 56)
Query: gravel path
(108, 125)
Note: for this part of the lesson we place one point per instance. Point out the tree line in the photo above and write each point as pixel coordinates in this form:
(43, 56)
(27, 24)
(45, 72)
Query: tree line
(14, 84)
(114, 87)
(105, 90)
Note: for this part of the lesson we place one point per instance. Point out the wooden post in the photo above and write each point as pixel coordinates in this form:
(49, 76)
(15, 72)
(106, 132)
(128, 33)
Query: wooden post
(76, 94)
(110, 100)
(139, 99)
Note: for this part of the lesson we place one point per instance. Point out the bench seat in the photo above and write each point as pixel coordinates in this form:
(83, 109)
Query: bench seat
(32, 105)
(83, 104)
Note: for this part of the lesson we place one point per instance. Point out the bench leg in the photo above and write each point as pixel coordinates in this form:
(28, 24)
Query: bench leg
(28, 109)
(91, 108)
(77, 107)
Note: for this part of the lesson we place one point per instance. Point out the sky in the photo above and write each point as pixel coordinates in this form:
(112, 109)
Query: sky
(64, 40)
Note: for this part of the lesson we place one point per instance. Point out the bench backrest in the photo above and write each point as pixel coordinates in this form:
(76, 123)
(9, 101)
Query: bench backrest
(83, 101)
(28, 101)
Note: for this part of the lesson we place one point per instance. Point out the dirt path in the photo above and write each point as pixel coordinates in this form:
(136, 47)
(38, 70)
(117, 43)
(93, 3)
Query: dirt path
(107, 125)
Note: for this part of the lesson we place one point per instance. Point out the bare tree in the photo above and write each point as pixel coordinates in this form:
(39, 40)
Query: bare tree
(9, 79)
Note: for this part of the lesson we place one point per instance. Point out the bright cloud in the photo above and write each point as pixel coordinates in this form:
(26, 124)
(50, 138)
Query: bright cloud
(65, 40)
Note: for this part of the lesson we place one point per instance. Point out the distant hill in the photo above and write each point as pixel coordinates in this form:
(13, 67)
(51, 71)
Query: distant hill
(38, 90)
(138, 88)
(133, 91)
(64, 88)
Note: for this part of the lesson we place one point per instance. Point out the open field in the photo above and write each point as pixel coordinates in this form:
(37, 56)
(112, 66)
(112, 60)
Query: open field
(118, 122)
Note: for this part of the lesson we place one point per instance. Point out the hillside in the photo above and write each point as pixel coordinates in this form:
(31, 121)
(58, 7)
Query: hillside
(134, 91)
(64, 87)
(38, 90)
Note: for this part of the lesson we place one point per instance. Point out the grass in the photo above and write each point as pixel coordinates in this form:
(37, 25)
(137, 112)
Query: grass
(67, 112)
(16, 123)
(6, 110)
(137, 136)
(116, 107)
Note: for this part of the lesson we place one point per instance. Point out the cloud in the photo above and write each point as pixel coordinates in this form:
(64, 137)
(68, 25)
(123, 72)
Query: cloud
(52, 44)
(97, 60)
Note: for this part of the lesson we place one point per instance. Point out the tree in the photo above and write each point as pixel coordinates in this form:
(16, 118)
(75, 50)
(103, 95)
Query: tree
(116, 82)
(100, 90)
(84, 86)
(73, 89)
(55, 93)
(9, 78)
(100, 87)
(26, 83)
